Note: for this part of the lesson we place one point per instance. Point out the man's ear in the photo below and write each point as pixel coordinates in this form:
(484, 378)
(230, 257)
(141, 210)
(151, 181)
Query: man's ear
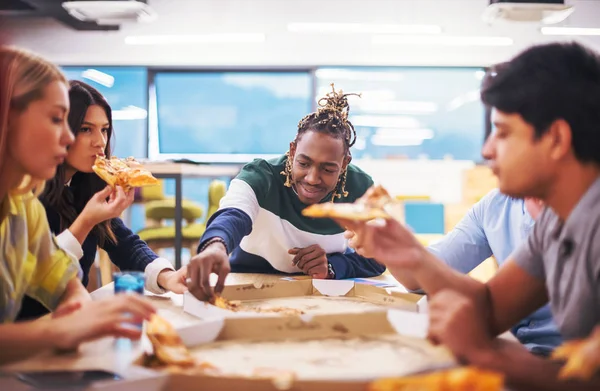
(292, 151)
(561, 139)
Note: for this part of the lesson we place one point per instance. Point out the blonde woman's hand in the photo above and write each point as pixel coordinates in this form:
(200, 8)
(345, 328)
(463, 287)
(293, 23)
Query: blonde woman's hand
(110, 317)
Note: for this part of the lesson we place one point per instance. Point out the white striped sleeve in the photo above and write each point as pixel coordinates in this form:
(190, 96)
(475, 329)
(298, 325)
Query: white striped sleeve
(241, 196)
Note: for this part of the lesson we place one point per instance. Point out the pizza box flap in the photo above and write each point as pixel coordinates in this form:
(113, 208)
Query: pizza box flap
(306, 326)
(326, 326)
(332, 287)
(183, 382)
(180, 382)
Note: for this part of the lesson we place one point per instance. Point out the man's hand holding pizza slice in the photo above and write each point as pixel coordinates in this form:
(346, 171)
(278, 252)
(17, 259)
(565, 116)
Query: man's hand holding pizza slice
(375, 215)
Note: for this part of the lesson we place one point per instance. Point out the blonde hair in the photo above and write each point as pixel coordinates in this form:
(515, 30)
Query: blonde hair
(23, 78)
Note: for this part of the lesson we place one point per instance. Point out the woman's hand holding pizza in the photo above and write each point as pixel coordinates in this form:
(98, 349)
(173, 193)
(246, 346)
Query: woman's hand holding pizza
(106, 204)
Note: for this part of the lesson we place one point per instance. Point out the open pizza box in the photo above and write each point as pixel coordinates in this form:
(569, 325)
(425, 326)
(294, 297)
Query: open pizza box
(342, 351)
(309, 297)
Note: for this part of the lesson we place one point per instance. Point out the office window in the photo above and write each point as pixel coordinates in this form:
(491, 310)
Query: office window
(410, 112)
(229, 116)
(126, 90)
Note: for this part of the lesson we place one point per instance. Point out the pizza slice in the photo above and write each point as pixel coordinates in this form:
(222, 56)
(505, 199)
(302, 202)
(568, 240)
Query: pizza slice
(375, 203)
(221, 302)
(127, 173)
(458, 379)
(582, 356)
(168, 346)
(236, 306)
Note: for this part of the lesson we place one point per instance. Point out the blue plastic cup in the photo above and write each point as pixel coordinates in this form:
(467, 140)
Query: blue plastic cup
(129, 283)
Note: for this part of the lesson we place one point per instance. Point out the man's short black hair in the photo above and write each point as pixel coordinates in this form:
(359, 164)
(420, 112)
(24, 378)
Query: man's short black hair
(549, 82)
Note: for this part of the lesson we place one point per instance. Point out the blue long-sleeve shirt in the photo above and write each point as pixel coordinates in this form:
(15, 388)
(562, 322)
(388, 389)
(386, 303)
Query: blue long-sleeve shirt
(260, 220)
(496, 226)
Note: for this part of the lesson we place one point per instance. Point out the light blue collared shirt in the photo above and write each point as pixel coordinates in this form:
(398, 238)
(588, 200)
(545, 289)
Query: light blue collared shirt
(497, 225)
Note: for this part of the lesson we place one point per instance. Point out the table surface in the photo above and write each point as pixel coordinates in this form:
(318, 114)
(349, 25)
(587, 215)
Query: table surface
(193, 170)
(118, 355)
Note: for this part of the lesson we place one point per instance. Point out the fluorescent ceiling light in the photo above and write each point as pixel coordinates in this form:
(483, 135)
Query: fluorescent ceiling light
(365, 95)
(570, 31)
(101, 78)
(463, 99)
(350, 28)
(129, 113)
(332, 74)
(377, 95)
(397, 106)
(410, 134)
(441, 40)
(394, 137)
(384, 121)
(395, 142)
(195, 38)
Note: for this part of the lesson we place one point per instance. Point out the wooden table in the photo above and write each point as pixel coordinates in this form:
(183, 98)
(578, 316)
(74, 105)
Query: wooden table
(176, 171)
(118, 355)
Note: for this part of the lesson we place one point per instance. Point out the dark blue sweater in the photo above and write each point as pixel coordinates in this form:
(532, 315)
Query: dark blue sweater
(260, 219)
(233, 224)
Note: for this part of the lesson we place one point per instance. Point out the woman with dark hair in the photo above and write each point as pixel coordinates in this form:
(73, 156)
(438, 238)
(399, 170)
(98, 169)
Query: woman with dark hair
(84, 212)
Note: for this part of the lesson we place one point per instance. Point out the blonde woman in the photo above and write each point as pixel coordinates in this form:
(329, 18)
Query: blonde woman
(34, 137)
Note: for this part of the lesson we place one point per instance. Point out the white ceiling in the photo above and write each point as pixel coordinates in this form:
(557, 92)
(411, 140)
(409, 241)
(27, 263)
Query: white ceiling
(283, 48)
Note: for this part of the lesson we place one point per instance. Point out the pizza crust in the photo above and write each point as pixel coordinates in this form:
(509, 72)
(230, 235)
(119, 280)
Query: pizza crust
(582, 356)
(467, 378)
(167, 344)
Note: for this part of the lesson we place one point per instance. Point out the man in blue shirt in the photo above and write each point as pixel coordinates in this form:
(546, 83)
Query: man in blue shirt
(496, 226)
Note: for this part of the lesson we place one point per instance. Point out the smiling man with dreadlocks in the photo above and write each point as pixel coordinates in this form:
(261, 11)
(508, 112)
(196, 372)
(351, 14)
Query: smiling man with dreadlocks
(259, 227)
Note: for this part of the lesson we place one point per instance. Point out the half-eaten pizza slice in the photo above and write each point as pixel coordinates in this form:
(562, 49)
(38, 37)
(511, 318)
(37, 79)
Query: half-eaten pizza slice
(168, 346)
(127, 173)
(459, 379)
